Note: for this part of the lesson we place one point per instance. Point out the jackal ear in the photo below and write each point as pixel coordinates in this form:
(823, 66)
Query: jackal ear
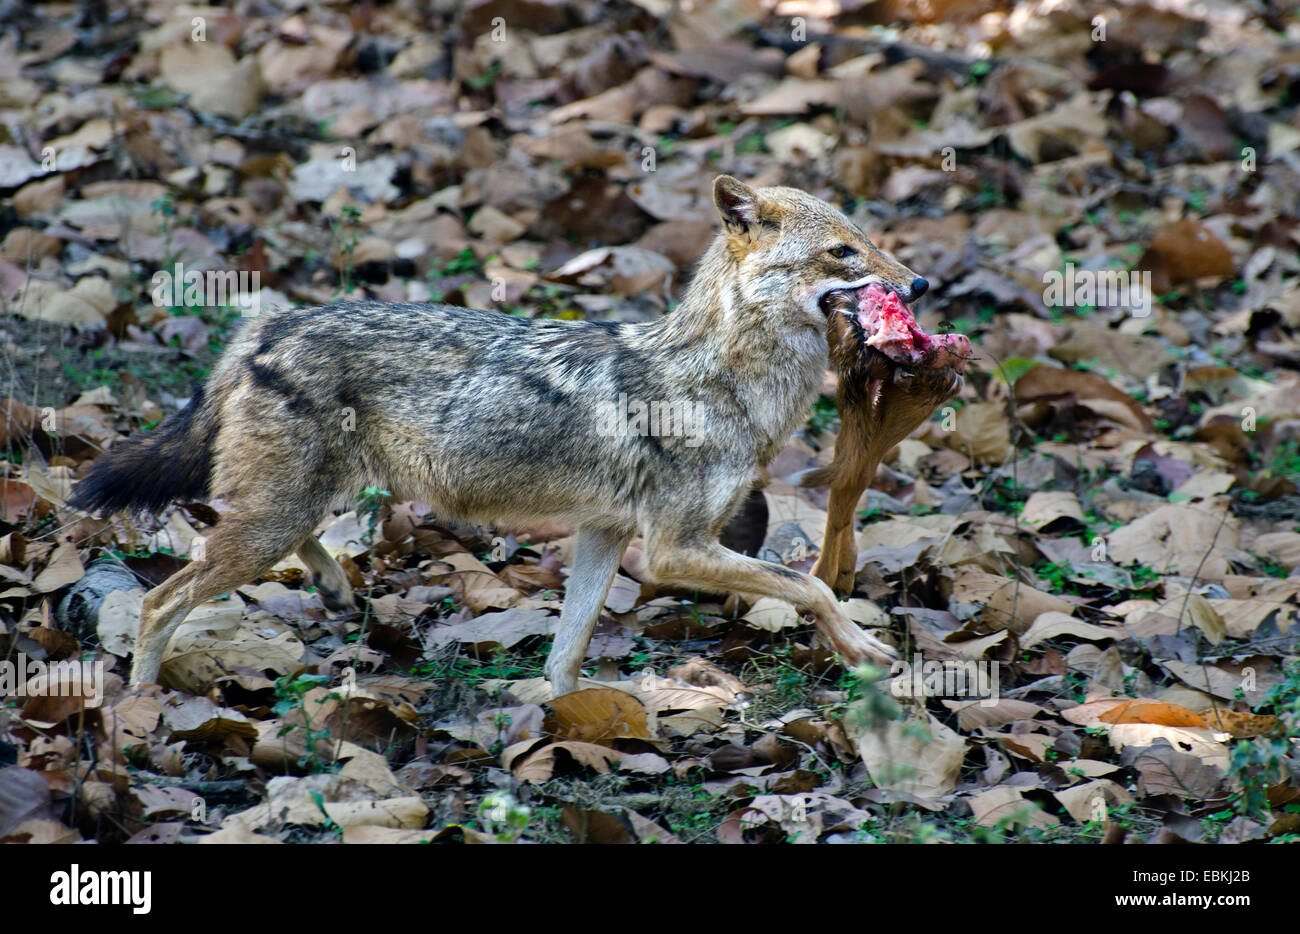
(736, 201)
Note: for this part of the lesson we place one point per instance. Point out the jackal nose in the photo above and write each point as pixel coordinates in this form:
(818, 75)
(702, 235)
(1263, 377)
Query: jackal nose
(919, 286)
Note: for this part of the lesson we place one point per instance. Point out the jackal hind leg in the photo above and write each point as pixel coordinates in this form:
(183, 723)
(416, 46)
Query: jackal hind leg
(596, 555)
(328, 576)
(716, 569)
(242, 547)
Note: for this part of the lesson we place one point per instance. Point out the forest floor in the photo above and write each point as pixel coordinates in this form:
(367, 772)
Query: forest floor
(1106, 520)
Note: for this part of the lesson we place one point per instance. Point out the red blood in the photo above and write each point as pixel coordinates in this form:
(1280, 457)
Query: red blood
(892, 329)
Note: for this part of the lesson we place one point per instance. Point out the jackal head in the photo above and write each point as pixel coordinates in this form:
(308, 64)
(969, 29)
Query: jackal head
(791, 245)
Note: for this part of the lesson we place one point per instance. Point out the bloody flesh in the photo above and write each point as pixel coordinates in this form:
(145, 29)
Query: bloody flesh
(892, 329)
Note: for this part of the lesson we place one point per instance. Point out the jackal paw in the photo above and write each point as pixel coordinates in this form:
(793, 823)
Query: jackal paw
(338, 605)
(562, 682)
(856, 647)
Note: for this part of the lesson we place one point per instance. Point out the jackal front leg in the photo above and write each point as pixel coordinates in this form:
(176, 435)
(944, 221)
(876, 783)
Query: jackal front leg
(595, 560)
(717, 569)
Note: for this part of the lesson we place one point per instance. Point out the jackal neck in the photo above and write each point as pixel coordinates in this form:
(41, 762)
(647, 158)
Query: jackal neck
(765, 355)
(702, 312)
(715, 311)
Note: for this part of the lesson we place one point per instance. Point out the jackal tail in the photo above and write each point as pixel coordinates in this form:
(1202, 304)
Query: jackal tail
(147, 471)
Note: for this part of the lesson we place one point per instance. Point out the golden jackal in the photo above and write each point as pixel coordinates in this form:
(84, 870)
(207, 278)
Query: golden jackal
(493, 418)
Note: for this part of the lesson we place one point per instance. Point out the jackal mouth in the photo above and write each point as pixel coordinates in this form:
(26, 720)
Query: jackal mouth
(887, 325)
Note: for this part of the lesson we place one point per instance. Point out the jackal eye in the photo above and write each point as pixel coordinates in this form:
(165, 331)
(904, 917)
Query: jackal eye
(842, 251)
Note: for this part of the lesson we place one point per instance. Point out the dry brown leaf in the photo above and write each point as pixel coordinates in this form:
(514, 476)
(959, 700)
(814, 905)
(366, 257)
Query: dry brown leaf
(1035, 747)
(1204, 484)
(236, 834)
(1180, 769)
(1220, 679)
(197, 718)
(1007, 806)
(204, 651)
(598, 715)
(917, 755)
(1282, 547)
(539, 766)
(772, 615)
(1242, 617)
(1177, 539)
(1044, 508)
(1069, 123)
(1049, 383)
(802, 818)
(701, 672)
(85, 306)
(476, 586)
(363, 834)
(1086, 801)
(794, 96)
(216, 82)
(118, 621)
(1202, 743)
(64, 568)
(1007, 604)
(505, 629)
(981, 433)
(971, 715)
(1240, 723)
(1183, 252)
(899, 533)
(1053, 624)
(367, 795)
(1148, 711)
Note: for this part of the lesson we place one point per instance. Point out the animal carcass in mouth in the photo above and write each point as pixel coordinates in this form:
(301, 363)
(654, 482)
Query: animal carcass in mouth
(891, 328)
